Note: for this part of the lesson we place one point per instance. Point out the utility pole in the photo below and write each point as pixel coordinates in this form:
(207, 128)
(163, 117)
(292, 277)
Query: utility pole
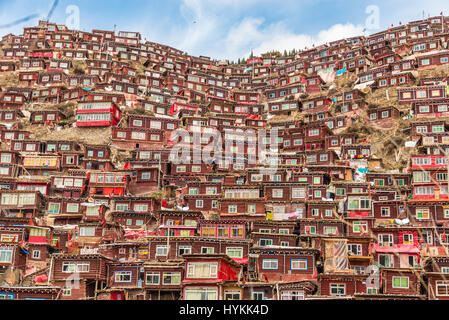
(159, 173)
(442, 24)
(168, 240)
(252, 63)
(447, 155)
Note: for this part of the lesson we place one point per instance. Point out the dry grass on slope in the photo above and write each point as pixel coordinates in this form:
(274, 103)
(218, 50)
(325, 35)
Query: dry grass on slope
(95, 136)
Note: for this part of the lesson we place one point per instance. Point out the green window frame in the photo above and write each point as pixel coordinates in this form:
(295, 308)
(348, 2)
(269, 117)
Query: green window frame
(401, 282)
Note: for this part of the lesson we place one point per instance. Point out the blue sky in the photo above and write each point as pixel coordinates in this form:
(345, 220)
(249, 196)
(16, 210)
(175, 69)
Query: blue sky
(228, 28)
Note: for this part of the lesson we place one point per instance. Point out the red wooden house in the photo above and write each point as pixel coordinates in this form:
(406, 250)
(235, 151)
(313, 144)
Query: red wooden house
(68, 186)
(47, 117)
(108, 183)
(283, 264)
(223, 229)
(397, 247)
(179, 224)
(402, 282)
(429, 172)
(342, 284)
(97, 114)
(393, 80)
(432, 59)
(417, 94)
(92, 273)
(205, 275)
(436, 269)
(30, 293)
(28, 78)
(431, 109)
(163, 280)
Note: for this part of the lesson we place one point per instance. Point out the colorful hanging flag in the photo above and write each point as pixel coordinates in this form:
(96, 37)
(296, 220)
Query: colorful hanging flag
(340, 72)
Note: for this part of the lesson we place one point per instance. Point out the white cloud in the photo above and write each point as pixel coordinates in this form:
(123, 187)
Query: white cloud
(252, 34)
(200, 24)
(206, 22)
(216, 29)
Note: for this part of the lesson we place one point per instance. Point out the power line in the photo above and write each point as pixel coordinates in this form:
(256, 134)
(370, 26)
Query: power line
(52, 9)
(14, 23)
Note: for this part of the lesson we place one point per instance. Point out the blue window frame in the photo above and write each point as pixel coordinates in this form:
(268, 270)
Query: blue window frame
(7, 296)
(299, 264)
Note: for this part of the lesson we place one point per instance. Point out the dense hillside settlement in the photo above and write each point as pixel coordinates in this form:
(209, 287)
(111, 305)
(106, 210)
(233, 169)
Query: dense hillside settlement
(130, 170)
